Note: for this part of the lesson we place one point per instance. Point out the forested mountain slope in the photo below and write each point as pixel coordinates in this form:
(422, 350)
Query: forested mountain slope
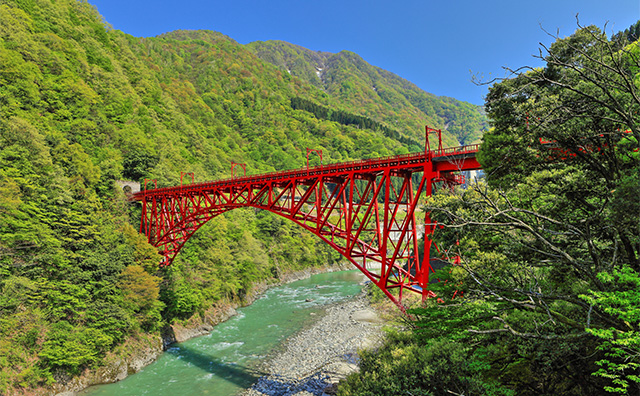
(83, 105)
(375, 92)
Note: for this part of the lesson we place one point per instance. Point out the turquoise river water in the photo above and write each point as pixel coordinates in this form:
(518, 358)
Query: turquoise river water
(223, 362)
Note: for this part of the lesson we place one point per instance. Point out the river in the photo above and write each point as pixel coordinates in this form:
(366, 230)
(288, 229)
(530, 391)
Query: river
(223, 362)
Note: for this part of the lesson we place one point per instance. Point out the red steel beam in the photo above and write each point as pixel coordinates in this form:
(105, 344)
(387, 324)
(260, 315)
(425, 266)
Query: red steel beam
(348, 218)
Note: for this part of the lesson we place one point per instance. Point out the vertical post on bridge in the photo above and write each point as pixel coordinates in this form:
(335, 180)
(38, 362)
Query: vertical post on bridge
(427, 145)
(428, 230)
(243, 166)
(319, 152)
(384, 269)
(155, 183)
(143, 219)
(182, 174)
(429, 174)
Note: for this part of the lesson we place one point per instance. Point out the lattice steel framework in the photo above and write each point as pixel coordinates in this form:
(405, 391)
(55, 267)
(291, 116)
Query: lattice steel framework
(366, 210)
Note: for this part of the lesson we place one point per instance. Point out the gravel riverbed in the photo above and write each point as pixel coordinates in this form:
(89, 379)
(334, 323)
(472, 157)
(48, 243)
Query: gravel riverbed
(314, 360)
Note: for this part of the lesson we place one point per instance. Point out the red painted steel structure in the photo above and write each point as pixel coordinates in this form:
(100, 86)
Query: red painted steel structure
(243, 166)
(319, 152)
(366, 210)
(183, 174)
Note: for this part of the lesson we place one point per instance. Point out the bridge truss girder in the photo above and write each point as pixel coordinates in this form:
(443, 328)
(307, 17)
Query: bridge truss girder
(367, 211)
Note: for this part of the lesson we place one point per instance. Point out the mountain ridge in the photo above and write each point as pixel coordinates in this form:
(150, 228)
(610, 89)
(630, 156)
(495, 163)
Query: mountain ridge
(337, 74)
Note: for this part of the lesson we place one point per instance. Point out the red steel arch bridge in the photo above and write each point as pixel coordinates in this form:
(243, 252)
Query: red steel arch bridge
(366, 210)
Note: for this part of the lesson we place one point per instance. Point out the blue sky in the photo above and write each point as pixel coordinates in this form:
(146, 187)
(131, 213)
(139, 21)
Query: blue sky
(436, 44)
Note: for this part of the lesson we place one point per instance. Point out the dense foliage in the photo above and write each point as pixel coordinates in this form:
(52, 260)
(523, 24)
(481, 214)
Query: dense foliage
(549, 245)
(345, 118)
(83, 105)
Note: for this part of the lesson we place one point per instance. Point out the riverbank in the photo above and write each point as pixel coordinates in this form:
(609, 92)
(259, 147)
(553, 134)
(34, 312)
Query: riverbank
(313, 361)
(138, 352)
(199, 325)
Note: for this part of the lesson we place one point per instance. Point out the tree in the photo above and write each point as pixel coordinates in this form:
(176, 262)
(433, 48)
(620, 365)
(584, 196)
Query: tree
(552, 244)
(622, 347)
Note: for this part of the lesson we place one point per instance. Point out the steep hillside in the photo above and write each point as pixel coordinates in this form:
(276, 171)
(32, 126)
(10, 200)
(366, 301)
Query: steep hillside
(376, 93)
(83, 105)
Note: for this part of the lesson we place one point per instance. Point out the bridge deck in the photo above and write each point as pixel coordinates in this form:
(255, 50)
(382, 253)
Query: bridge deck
(449, 159)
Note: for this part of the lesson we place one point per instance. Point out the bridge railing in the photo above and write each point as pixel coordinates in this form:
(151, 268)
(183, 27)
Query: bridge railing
(460, 150)
(471, 148)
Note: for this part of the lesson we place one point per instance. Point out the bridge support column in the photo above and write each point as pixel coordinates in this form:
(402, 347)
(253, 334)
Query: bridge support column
(430, 176)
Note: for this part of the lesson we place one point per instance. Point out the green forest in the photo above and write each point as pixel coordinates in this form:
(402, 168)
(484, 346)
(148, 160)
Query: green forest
(550, 243)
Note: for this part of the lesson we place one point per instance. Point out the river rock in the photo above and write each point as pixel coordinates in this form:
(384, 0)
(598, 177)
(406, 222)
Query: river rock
(366, 315)
(317, 358)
